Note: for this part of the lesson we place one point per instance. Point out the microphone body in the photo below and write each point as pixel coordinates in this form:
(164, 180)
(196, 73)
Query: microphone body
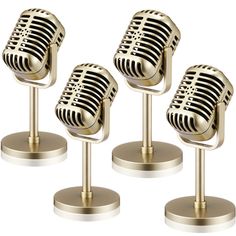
(26, 52)
(80, 105)
(140, 55)
(192, 111)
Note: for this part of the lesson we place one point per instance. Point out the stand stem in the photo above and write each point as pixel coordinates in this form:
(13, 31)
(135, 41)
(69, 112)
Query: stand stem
(33, 134)
(147, 124)
(200, 178)
(86, 173)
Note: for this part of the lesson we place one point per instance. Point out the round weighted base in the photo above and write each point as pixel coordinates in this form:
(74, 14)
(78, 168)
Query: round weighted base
(219, 214)
(51, 149)
(68, 203)
(128, 159)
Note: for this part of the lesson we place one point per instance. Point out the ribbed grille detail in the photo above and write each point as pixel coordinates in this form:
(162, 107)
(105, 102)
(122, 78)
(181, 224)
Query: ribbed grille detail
(197, 96)
(35, 30)
(84, 91)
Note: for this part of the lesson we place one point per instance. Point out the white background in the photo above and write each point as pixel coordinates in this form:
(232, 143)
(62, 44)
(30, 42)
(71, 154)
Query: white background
(94, 30)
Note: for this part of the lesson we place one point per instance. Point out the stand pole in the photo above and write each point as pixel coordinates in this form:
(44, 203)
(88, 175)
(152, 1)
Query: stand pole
(86, 173)
(147, 124)
(33, 134)
(200, 179)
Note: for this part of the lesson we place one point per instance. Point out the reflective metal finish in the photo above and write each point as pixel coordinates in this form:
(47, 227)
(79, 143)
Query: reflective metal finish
(26, 52)
(79, 107)
(192, 111)
(164, 160)
(84, 108)
(181, 214)
(31, 53)
(69, 204)
(144, 58)
(197, 112)
(17, 149)
(140, 55)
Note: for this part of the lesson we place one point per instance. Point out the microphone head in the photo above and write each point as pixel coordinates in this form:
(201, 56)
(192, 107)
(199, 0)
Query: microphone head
(140, 55)
(192, 111)
(80, 105)
(26, 52)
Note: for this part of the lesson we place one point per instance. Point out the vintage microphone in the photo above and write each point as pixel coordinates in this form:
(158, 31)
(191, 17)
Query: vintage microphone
(144, 57)
(197, 113)
(84, 108)
(31, 53)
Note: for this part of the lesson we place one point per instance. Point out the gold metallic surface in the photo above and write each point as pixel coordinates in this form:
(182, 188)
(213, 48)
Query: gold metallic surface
(192, 111)
(86, 173)
(84, 108)
(33, 133)
(147, 124)
(200, 178)
(200, 213)
(16, 148)
(167, 80)
(140, 55)
(130, 157)
(30, 55)
(52, 68)
(70, 201)
(182, 211)
(106, 103)
(80, 105)
(144, 58)
(197, 112)
(219, 132)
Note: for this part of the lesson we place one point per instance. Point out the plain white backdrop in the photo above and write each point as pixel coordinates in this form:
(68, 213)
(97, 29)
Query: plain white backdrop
(94, 30)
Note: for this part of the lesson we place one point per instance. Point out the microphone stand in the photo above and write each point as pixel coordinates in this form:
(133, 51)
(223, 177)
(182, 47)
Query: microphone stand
(36, 148)
(86, 202)
(149, 158)
(202, 213)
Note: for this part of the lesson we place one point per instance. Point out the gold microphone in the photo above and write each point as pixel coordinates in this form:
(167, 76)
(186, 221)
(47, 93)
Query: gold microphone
(31, 53)
(84, 108)
(144, 58)
(197, 113)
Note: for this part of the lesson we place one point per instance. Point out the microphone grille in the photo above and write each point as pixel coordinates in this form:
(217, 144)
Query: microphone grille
(26, 52)
(192, 111)
(80, 104)
(139, 56)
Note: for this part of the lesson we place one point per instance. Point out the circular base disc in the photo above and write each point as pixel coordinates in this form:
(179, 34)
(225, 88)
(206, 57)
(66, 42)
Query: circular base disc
(51, 149)
(218, 215)
(68, 203)
(128, 159)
